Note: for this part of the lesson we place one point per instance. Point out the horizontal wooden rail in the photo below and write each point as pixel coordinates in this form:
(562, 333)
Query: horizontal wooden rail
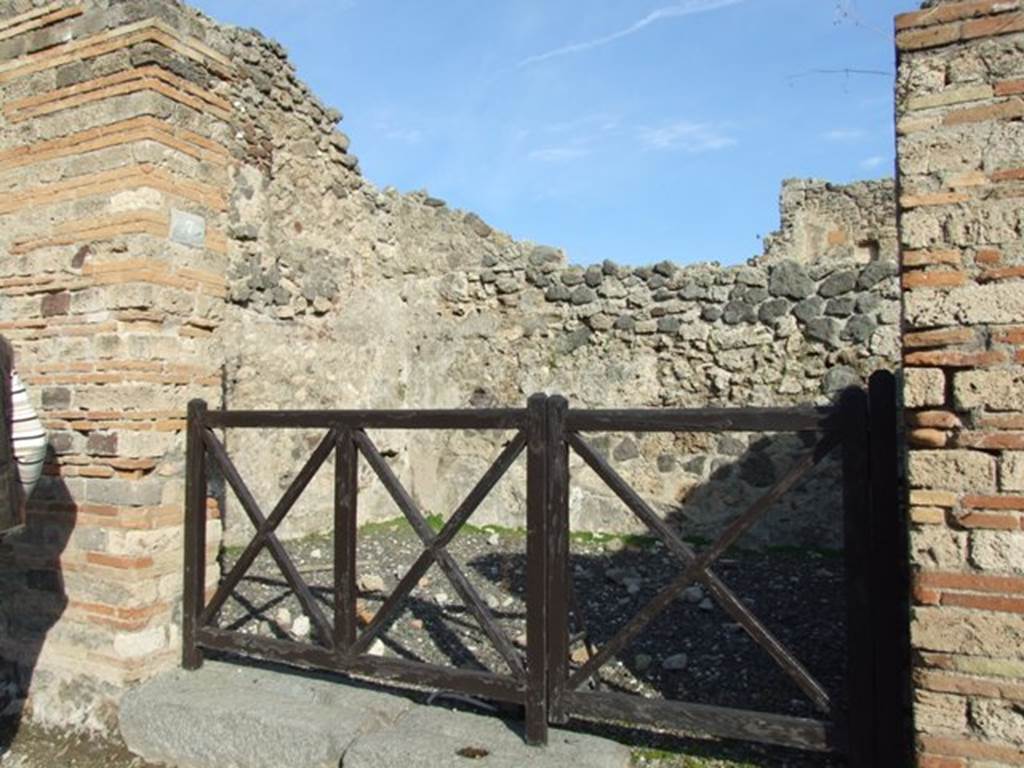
(726, 722)
(398, 671)
(489, 418)
(798, 419)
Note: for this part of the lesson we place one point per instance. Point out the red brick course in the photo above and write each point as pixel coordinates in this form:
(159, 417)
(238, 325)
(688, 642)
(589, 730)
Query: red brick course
(937, 278)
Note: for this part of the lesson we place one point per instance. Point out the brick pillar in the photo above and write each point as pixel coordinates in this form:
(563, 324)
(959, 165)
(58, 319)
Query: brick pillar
(113, 171)
(961, 182)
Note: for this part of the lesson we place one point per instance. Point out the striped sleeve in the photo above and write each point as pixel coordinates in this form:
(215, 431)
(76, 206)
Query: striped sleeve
(27, 435)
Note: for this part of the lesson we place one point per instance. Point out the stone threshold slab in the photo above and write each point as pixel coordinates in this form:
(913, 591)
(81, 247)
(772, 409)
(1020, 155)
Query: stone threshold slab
(236, 716)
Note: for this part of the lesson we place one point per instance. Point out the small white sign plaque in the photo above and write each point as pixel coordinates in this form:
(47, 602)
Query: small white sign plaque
(187, 228)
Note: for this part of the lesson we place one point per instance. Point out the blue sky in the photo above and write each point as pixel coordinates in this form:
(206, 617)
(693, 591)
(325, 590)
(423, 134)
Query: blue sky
(631, 130)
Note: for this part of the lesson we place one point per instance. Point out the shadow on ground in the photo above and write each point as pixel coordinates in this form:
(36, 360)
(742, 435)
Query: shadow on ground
(33, 594)
(692, 652)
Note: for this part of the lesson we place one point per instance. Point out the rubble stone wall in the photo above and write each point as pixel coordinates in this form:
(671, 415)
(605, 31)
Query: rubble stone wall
(961, 181)
(182, 218)
(347, 295)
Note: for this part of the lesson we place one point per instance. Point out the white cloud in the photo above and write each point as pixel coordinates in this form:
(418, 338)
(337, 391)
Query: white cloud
(686, 136)
(558, 154)
(572, 139)
(844, 134)
(683, 8)
(405, 135)
(872, 162)
(599, 122)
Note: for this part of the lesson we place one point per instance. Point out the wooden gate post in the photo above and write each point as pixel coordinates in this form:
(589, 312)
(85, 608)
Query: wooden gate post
(558, 557)
(890, 578)
(346, 490)
(536, 570)
(194, 588)
(857, 541)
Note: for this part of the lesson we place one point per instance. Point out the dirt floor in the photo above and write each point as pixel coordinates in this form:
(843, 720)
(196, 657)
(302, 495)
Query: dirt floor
(23, 745)
(693, 652)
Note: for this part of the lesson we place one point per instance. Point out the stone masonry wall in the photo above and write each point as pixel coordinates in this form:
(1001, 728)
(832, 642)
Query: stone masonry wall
(346, 295)
(829, 222)
(961, 181)
(182, 219)
(111, 135)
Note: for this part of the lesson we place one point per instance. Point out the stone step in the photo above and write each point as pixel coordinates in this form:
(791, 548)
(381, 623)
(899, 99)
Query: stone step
(236, 716)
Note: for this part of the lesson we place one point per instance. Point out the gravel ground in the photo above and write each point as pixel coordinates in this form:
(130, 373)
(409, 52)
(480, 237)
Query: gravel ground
(692, 652)
(28, 746)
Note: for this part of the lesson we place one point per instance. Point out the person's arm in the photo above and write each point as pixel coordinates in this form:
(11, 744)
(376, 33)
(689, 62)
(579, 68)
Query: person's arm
(28, 437)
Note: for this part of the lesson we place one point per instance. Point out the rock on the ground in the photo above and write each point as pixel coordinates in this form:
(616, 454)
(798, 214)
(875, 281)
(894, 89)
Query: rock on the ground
(693, 594)
(371, 582)
(580, 655)
(676, 662)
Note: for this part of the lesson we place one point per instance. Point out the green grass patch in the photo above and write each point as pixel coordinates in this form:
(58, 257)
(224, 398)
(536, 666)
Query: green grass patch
(436, 523)
(634, 541)
(392, 525)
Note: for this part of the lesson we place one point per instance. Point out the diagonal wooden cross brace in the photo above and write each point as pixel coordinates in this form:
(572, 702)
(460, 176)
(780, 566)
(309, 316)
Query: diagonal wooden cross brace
(722, 594)
(698, 568)
(435, 548)
(265, 533)
(412, 577)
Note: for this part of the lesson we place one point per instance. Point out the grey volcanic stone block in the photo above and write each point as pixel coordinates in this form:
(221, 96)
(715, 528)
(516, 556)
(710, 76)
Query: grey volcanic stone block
(838, 283)
(241, 717)
(737, 312)
(808, 309)
(790, 280)
(431, 737)
(875, 272)
(581, 294)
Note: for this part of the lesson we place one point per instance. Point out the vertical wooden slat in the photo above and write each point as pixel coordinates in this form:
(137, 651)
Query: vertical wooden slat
(194, 591)
(346, 487)
(558, 556)
(890, 585)
(860, 717)
(536, 571)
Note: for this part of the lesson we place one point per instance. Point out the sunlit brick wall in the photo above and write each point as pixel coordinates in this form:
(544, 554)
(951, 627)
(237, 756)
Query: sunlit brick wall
(112, 260)
(961, 187)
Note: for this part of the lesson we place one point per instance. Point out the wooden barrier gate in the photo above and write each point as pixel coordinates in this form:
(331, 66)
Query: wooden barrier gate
(869, 727)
